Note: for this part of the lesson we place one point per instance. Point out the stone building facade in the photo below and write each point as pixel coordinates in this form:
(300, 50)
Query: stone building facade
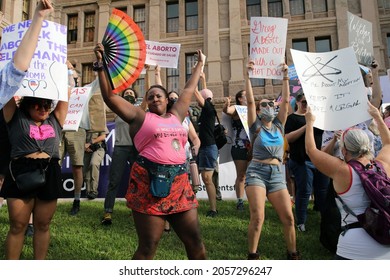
(219, 27)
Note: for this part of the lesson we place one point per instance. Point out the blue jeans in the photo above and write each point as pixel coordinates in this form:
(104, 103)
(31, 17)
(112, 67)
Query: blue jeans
(120, 158)
(307, 180)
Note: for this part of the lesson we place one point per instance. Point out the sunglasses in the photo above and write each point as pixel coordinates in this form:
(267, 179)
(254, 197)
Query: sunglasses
(44, 106)
(264, 104)
(304, 102)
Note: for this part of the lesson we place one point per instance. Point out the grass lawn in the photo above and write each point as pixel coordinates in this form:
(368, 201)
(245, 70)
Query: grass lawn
(82, 237)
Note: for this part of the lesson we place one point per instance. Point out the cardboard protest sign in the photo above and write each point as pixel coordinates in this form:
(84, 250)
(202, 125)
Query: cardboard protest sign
(267, 46)
(77, 102)
(333, 87)
(164, 55)
(47, 75)
(360, 38)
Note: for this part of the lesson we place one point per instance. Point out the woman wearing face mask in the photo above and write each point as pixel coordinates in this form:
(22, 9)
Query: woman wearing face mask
(264, 176)
(124, 151)
(308, 179)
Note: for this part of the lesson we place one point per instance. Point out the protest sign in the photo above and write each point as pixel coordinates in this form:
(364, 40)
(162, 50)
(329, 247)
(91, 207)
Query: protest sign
(77, 102)
(47, 75)
(164, 55)
(360, 38)
(242, 112)
(292, 72)
(295, 84)
(267, 46)
(385, 86)
(334, 89)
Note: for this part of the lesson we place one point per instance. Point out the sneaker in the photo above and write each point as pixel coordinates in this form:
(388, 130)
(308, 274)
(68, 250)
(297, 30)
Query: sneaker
(91, 195)
(240, 206)
(29, 230)
(253, 256)
(107, 220)
(301, 227)
(75, 208)
(212, 213)
(293, 256)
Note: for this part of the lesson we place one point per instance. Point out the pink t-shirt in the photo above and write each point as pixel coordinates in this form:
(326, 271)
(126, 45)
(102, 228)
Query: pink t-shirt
(387, 122)
(162, 139)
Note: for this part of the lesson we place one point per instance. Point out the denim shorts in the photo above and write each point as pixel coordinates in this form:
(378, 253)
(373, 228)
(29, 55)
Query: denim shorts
(207, 157)
(268, 176)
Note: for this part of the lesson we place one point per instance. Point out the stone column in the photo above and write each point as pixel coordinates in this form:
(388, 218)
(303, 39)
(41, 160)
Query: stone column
(154, 30)
(370, 13)
(286, 9)
(308, 10)
(341, 7)
(212, 47)
(104, 15)
(236, 48)
(154, 25)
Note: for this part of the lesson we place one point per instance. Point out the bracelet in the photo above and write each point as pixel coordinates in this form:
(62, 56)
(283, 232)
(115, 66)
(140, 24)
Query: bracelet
(286, 78)
(97, 66)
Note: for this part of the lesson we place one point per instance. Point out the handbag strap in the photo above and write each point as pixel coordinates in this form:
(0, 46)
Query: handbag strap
(10, 170)
(215, 112)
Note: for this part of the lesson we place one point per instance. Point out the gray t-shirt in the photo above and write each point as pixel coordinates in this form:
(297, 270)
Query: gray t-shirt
(122, 133)
(269, 143)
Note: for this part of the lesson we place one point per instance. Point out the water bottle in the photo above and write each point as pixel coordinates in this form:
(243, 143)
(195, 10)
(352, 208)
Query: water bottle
(194, 173)
(194, 170)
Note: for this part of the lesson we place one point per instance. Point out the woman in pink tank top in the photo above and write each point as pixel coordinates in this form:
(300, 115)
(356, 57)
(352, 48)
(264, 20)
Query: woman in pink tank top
(159, 189)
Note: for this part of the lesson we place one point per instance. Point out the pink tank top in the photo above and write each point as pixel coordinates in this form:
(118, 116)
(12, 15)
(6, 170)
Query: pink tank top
(162, 139)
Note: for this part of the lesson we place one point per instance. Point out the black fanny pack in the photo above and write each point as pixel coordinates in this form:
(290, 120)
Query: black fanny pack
(161, 175)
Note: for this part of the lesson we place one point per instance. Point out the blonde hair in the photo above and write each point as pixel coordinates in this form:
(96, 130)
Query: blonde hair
(357, 143)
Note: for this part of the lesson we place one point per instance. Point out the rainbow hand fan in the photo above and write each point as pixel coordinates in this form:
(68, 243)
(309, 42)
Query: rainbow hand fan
(124, 50)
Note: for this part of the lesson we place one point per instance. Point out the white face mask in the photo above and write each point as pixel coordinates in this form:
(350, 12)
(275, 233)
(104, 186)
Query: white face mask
(267, 113)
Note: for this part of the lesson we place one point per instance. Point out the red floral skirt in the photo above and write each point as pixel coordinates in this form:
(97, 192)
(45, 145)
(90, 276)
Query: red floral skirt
(139, 198)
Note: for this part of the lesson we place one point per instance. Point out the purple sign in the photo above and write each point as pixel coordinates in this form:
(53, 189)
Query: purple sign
(67, 190)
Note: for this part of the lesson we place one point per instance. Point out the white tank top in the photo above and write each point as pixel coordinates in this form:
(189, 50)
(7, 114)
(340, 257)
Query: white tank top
(357, 244)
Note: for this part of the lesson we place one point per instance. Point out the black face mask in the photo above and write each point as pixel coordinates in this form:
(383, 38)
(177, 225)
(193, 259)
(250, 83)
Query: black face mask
(130, 99)
(171, 102)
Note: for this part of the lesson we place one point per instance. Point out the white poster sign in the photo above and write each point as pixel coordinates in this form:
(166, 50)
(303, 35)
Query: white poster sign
(47, 75)
(165, 55)
(242, 112)
(267, 46)
(333, 87)
(77, 102)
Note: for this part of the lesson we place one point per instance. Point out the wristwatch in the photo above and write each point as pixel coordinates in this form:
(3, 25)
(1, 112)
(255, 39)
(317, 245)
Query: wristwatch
(97, 66)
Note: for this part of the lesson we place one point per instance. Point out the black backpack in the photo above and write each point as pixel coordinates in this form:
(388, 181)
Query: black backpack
(330, 226)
